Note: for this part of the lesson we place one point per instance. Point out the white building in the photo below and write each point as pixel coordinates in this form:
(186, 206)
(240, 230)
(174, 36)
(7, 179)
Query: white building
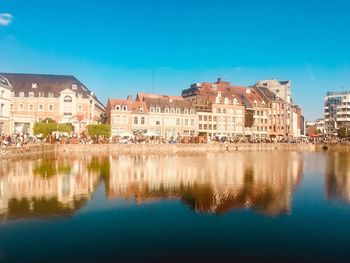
(336, 111)
(5, 96)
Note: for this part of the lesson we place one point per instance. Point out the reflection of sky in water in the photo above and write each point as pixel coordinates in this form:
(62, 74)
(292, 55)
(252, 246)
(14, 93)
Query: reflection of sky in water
(251, 206)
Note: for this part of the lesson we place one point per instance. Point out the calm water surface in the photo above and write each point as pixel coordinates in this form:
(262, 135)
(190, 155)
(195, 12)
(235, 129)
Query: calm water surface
(231, 207)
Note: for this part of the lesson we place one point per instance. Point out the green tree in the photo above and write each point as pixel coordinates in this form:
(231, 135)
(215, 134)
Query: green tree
(99, 129)
(47, 128)
(342, 132)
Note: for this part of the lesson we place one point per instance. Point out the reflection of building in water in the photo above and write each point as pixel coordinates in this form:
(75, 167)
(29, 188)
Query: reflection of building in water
(338, 176)
(45, 187)
(210, 183)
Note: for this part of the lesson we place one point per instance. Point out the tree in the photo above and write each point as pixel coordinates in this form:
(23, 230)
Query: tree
(99, 129)
(343, 133)
(45, 129)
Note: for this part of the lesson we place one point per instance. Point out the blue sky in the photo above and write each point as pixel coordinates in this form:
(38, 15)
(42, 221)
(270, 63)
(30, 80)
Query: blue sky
(112, 46)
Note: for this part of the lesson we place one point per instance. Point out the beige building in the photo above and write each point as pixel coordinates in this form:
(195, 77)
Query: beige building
(227, 110)
(160, 115)
(285, 116)
(5, 96)
(64, 99)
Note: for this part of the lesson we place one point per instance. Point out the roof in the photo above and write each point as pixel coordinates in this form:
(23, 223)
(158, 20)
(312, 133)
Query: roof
(132, 105)
(140, 96)
(227, 90)
(46, 83)
(268, 93)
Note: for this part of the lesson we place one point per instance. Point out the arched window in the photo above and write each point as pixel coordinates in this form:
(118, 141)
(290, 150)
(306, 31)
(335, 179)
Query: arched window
(125, 108)
(217, 100)
(235, 102)
(226, 100)
(67, 99)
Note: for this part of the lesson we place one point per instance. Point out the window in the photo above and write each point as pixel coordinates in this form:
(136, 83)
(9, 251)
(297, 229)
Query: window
(80, 108)
(21, 94)
(41, 94)
(177, 111)
(178, 123)
(74, 86)
(67, 114)
(11, 106)
(2, 93)
(20, 106)
(151, 109)
(31, 107)
(192, 122)
(166, 110)
(41, 107)
(50, 94)
(172, 111)
(141, 109)
(80, 95)
(125, 108)
(67, 99)
(34, 85)
(31, 94)
(135, 120)
(117, 107)
(142, 120)
(191, 111)
(186, 111)
(157, 122)
(50, 107)
(186, 122)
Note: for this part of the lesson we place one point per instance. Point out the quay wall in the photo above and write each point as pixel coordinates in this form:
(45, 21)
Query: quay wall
(40, 150)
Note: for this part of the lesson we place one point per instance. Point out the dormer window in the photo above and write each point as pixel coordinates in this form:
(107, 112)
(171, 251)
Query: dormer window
(226, 100)
(166, 110)
(117, 107)
(125, 108)
(31, 94)
(74, 86)
(217, 100)
(263, 103)
(186, 111)
(177, 111)
(219, 94)
(80, 95)
(34, 85)
(157, 109)
(255, 103)
(50, 94)
(191, 111)
(41, 94)
(172, 110)
(21, 94)
(141, 109)
(151, 109)
(235, 102)
(214, 87)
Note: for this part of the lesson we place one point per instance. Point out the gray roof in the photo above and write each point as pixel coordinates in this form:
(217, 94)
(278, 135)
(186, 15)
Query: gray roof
(45, 83)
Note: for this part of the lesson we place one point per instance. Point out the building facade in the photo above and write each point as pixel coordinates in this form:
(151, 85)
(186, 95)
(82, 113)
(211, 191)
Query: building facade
(5, 96)
(227, 110)
(285, 117)
(336, 111)
(64, 99)
(158, 115)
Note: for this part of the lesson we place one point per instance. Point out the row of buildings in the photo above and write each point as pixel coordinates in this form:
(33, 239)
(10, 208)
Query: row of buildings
(263, 110)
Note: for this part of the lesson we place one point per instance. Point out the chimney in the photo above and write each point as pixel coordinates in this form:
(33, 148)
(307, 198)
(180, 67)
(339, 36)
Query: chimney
(129, 97)
(219, 80)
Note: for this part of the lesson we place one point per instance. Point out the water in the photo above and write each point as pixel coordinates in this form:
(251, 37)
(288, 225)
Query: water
(262, 207)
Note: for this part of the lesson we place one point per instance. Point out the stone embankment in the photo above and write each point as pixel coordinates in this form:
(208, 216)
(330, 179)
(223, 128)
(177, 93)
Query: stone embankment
(41, 150)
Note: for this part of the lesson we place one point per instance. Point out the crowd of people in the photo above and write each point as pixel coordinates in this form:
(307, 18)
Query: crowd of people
(73, 138)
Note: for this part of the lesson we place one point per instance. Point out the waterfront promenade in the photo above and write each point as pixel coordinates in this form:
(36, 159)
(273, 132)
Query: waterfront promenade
(37, 150)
